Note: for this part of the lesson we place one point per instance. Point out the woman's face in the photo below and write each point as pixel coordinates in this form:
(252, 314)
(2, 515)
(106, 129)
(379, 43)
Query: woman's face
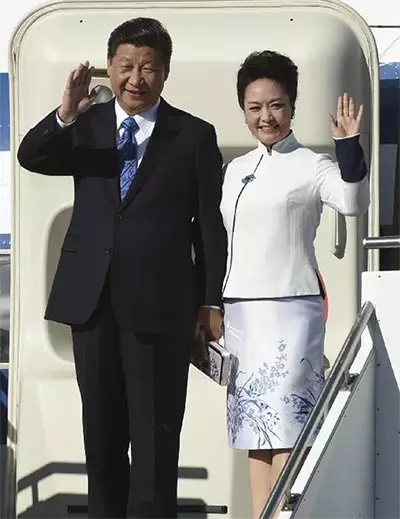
(267, 110)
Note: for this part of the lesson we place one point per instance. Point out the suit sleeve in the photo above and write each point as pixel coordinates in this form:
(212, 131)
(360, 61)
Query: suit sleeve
(47, 148)
(344, 185)
(210, 242)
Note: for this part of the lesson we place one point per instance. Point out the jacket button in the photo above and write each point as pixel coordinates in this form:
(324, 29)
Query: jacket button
(108, 251)
(119, 217)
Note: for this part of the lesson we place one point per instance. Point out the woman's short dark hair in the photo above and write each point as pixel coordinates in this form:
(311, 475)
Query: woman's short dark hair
(270, 65)
(142, 32)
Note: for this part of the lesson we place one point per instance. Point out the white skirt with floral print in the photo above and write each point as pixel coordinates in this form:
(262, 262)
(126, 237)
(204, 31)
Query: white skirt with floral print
(278, 371)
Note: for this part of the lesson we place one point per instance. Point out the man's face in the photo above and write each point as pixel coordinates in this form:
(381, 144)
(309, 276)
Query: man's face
(137, 76)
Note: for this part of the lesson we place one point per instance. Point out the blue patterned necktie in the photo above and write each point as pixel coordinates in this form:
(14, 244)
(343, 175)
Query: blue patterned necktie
(127, 148)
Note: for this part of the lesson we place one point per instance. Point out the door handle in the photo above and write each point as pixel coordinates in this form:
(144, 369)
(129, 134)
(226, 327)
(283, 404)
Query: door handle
(339, 235)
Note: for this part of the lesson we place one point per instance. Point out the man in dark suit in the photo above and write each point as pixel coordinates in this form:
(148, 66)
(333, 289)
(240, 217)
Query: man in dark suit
(147, 180)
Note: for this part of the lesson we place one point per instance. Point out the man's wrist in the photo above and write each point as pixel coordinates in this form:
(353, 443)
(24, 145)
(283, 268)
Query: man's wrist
(64, 118)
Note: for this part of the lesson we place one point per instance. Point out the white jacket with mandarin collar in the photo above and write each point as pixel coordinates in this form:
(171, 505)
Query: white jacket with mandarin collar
(271, 204)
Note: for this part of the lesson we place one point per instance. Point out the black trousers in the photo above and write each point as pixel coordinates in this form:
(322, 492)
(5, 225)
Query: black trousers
(133, 390)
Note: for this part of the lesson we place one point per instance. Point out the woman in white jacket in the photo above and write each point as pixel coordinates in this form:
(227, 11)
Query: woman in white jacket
(274, 321)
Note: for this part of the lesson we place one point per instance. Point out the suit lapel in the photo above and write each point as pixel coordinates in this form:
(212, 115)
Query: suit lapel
(104, 129)
(165, 130)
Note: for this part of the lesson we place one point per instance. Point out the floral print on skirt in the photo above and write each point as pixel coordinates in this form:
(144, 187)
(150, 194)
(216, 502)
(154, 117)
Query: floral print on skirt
(277, 374)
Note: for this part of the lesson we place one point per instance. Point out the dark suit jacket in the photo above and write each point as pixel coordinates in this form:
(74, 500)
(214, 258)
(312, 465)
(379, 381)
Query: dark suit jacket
(143, 246)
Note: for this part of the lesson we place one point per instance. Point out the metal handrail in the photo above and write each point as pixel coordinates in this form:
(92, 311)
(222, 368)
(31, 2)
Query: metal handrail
(330, 389)
(382, 242)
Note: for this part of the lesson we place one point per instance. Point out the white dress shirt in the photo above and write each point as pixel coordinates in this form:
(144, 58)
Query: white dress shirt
(145, 120)
(272, 219)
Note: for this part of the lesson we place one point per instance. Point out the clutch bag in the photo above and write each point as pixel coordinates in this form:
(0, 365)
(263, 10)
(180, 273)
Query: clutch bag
(213, 360)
